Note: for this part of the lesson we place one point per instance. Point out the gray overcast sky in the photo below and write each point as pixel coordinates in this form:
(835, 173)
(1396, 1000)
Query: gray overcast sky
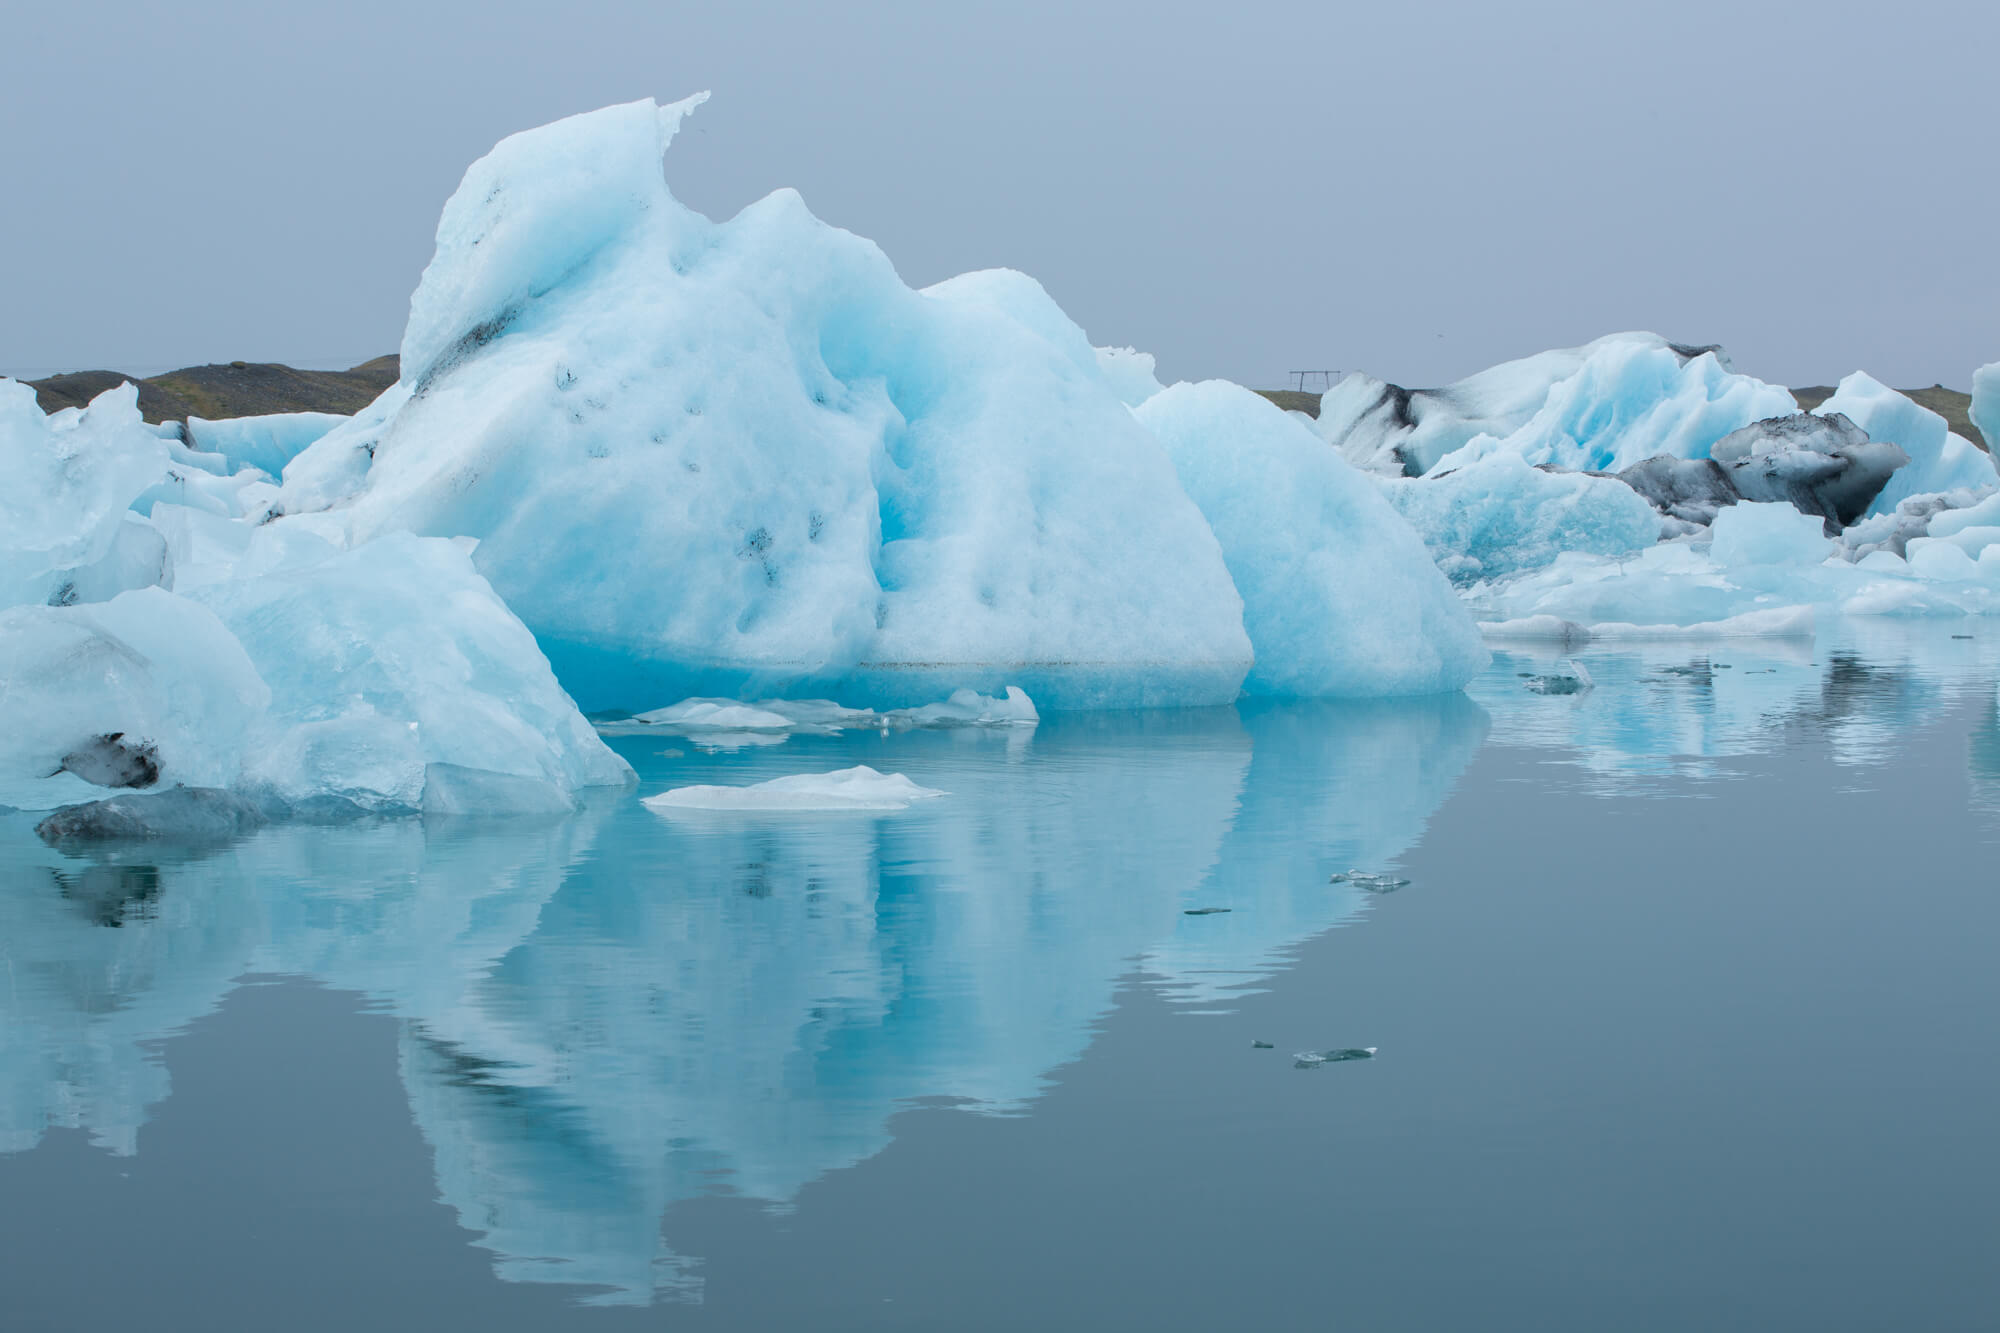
(1414, 188)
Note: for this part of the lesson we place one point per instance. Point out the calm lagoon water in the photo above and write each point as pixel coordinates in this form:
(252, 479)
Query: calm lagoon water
(1688, 1017)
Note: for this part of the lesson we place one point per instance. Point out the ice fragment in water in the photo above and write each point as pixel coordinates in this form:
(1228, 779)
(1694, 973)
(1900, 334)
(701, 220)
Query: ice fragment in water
(1314, 1059)
(184, 814)
(1574, 680)
(857, 788)
(727, 723)
(1369, 882)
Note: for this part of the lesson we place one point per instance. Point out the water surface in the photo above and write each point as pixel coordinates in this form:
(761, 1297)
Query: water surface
(1686, 1019)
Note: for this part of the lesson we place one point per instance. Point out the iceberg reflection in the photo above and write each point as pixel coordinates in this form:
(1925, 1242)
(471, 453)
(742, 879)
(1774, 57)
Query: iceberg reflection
(606, 1013)
(1664, 707)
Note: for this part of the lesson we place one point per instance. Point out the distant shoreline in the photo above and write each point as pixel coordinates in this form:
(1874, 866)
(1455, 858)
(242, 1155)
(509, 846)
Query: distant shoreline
(228, 389)
(255, 388)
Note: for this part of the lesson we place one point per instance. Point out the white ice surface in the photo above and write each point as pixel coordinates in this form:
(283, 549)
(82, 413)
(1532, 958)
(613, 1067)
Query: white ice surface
(1939, 460)
(743, 458)
(68, 482)
(293, 672)
(263, 442)
(857, 788)
(1602, 407)
(1764, 558)
(1339, 596)
(712, 717)
(1500, 516)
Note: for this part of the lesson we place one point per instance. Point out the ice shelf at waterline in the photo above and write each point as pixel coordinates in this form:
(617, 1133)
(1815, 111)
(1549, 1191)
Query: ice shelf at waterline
(743, 458)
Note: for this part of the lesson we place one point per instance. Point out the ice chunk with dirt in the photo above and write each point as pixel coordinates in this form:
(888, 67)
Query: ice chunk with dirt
(857, 788)
(1598, 408)
(147, 689)
(743, 459)
(387, 679)
(1689, 490)
(1819, 463)
(1939, 460)
(1339, 595)
(1501, 515)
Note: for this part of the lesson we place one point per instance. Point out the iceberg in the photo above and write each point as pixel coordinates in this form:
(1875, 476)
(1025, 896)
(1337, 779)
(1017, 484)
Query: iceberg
(1819, 463)
(1339, 595)
(743, 458)
(143, 690)
(1601, 407)
(1939, 460)
(68, 482)
(1501, 516)
(388, 679)
(857, 788)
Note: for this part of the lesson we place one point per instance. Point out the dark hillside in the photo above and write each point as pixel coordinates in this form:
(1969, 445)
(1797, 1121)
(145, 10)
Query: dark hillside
(238, 389)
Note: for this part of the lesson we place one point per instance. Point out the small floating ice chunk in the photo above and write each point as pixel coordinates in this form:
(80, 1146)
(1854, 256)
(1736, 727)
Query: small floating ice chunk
(713, 720)
(183, 814)
(1314, 1059)
(857, 788)
(968, 708)
(715, 715)
(1573, 679)
(1369, 882)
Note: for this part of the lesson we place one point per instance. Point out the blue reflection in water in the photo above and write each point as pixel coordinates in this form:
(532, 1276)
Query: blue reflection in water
(608, 1013)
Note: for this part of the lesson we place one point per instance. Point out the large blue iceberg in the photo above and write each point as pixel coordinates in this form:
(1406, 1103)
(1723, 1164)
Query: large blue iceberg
(637, 455)
(744, 458)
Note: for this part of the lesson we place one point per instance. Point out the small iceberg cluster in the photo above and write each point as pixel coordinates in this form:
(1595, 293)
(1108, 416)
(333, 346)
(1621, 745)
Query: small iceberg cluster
(731, 724)
(1637, 486)
(857, 788)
